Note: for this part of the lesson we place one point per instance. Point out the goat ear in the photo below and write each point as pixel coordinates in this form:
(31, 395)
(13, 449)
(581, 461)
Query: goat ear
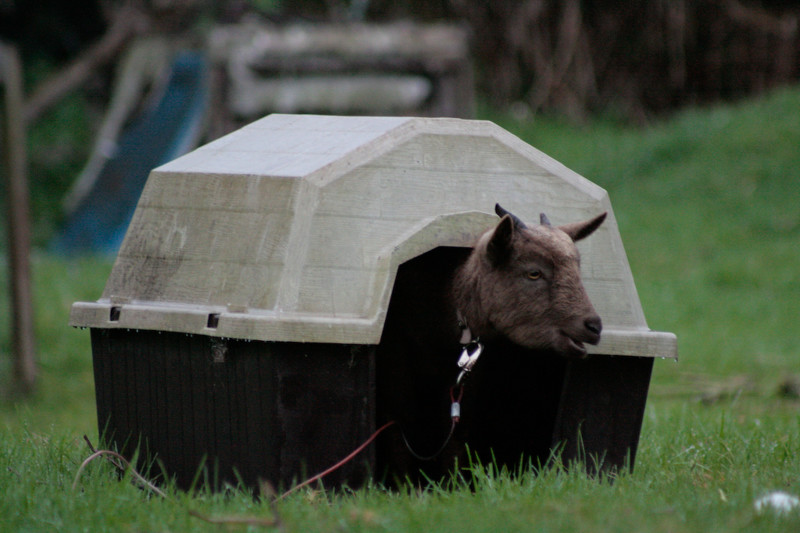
(581, 230)
(499, 248)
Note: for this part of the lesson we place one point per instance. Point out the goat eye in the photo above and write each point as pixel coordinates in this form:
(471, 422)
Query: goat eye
(534, 274)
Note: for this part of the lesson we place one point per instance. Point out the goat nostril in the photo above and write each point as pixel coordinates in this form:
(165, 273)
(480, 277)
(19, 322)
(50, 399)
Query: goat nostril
(594, 324)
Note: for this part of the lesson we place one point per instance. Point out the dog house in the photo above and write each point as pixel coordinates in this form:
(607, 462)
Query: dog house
(239, 330)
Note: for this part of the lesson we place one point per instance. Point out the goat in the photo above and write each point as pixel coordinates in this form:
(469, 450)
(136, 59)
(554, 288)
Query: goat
(519, 290)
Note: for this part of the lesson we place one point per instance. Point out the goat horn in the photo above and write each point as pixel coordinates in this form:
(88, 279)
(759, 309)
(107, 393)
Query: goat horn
(543, 220)
(502, 212)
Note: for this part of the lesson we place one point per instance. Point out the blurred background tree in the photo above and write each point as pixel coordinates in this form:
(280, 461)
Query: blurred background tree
(632, 60)
(636, 61)
(637, 58)
(575, 57)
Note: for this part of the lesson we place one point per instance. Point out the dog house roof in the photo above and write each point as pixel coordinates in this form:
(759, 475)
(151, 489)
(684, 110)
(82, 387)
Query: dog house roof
(293, 227)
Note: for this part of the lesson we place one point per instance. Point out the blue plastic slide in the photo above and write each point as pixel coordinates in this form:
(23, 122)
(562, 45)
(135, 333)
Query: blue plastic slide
(168, 128)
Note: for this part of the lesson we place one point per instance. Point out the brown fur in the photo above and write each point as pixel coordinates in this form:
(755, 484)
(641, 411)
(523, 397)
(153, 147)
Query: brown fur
(494, 293)
(520, 319)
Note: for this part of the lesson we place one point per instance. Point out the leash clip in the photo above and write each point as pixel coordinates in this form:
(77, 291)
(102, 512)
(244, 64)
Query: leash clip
(468, 358)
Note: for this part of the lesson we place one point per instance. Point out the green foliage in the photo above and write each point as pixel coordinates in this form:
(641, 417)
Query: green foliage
(267, 7)
(58, 147)
(706, 204)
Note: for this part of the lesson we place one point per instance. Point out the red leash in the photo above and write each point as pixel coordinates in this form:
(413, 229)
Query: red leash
(455, 415)
(471, 350)
(337, 465)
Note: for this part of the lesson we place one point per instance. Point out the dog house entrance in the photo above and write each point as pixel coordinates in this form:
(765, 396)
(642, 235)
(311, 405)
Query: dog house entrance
(510, 401)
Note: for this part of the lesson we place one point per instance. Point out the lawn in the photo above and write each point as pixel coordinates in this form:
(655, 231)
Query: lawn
(707, 204)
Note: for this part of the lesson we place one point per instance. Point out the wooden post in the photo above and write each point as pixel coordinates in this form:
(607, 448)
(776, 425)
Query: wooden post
(18, 223)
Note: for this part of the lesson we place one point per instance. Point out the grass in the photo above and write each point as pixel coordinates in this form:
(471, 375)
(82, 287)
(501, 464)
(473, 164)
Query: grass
(707, 207)
(65, 392)
(708, 212)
